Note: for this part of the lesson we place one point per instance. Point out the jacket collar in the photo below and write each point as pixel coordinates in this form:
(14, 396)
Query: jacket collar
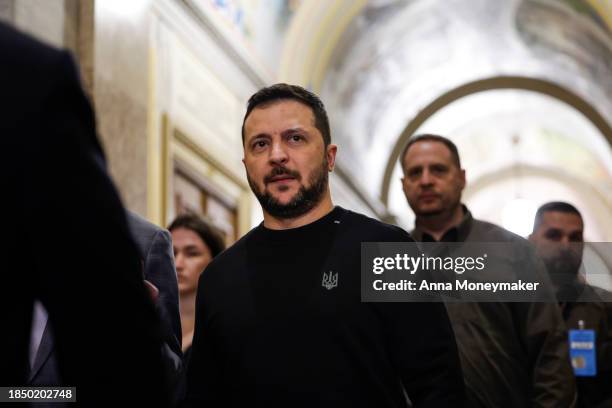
(456, 233)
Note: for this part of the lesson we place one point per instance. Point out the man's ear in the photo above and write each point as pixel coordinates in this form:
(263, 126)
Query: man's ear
(330, 153)
(404, 182)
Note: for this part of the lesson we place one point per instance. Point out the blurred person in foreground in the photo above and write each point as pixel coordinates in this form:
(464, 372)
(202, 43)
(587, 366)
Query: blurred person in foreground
(279, 317)
(558, 234)
(157, 261)
(512, 354)
(195, 243)
(70, 245)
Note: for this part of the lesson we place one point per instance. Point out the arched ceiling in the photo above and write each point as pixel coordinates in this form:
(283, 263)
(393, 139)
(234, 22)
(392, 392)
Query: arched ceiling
(380, 63)
(520, 129)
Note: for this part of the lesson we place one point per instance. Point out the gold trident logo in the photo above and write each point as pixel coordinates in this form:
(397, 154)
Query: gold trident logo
(330, 280)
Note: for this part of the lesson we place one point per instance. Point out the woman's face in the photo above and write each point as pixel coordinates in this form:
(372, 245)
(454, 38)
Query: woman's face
(191, 256)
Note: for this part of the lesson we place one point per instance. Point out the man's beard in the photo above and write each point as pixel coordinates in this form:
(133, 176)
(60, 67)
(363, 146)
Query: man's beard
(430, 213)
(303, 201)
(563, 270)
(450, 209)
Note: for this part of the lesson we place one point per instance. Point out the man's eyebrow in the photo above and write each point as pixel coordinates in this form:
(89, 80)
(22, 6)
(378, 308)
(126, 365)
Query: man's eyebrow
(296, 129)
(188, 247)
(258, 135)
(287, 132)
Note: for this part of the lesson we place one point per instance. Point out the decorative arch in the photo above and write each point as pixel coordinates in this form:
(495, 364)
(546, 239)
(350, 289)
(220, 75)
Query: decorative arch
(312, 38)
(488, 84)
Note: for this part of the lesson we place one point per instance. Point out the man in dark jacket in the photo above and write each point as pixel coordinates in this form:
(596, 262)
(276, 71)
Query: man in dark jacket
(512, 354)
(558, 234)
(69, 241)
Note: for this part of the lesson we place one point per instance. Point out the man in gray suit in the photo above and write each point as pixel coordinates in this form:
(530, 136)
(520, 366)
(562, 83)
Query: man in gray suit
(155, 246)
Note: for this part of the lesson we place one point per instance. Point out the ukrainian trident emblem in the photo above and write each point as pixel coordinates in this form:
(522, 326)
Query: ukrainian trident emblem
(330, 280)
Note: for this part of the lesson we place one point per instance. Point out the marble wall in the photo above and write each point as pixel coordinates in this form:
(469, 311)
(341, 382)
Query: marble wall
(121, 93)
(43, 19)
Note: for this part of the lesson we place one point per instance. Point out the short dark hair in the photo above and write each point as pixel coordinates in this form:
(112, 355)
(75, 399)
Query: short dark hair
(428, 137)
(558, 206)
(209, 234)
(279, 92)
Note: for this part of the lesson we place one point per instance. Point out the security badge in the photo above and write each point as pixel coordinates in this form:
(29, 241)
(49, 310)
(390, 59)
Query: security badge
(582, 351)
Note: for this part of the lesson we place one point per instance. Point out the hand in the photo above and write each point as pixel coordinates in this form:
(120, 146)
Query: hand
(153, 291)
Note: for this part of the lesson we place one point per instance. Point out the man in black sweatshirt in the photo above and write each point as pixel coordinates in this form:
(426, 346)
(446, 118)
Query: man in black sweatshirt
(279, 317)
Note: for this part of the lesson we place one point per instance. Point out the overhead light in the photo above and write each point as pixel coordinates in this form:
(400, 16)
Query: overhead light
(517, 216)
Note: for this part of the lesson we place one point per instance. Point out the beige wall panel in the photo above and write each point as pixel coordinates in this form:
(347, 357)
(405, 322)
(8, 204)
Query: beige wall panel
(121, 70)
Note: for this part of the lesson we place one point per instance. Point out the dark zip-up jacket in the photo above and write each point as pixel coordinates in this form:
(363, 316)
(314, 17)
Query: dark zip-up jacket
(512, 354)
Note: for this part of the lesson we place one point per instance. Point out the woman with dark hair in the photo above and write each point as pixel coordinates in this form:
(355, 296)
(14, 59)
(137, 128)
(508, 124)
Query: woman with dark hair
(196, 243)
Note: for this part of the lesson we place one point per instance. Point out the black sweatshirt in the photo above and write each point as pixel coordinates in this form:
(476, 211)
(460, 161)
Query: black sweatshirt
(269, 332)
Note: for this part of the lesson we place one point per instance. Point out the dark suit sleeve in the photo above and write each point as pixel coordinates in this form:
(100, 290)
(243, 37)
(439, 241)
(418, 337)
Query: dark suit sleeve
(161, 272)
(88, 268)
(159, 269)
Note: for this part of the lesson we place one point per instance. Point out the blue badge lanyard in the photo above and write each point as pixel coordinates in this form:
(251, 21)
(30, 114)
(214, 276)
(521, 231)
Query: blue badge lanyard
(582, 351)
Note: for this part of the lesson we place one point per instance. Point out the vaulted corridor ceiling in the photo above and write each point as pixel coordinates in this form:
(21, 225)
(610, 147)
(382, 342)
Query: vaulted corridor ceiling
(524, 87)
